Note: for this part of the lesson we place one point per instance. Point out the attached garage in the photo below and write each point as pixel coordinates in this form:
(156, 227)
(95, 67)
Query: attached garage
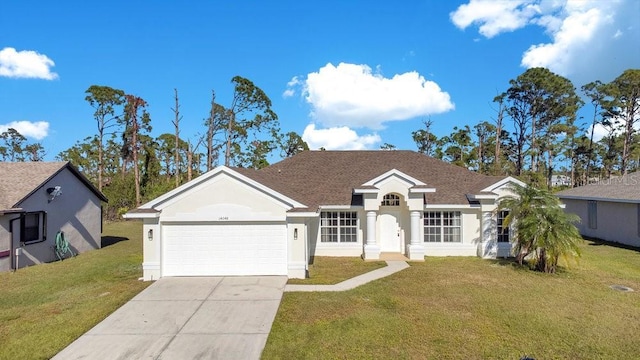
(222, 249)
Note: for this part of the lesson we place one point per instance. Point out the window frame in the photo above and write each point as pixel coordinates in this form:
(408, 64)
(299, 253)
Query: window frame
(40, 227)
(339, 225)
(503, 234)
(390, 199)
(437, 229)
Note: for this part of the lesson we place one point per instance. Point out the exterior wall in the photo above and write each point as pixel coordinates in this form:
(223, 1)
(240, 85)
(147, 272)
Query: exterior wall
(297, 255)
(151, 247)
(470, 220)
(76, 212)
(318, 248)
(617, 222)
(5, 242)
(223, 198)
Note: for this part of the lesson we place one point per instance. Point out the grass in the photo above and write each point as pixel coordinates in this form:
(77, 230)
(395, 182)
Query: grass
(44, 308)
(469, 308)
(332, 270)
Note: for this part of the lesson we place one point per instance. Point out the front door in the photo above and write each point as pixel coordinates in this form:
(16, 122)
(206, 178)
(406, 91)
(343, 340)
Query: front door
(390, 232)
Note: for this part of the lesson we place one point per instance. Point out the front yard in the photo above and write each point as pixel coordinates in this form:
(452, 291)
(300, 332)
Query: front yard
(468, 308)
(442, 308)
(44, 308)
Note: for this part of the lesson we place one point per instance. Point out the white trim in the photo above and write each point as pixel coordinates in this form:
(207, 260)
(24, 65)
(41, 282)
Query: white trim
(141, 215)
(365, 191)
(421, 190)
(448, 206)
(220, 169)
(303, 214)
(482, 196)
(504, 181)
(587, 198)
(340, 207)
(393, 172)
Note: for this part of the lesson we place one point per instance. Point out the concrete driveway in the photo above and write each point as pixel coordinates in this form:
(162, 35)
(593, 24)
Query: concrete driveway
(187, 318)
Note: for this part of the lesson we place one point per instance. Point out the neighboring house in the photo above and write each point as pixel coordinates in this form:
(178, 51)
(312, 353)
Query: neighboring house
(233, 221)
(39, 199)
(609, 209)
(560, 180)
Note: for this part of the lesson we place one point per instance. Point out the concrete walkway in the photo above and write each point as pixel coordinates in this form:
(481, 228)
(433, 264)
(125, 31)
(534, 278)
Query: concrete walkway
(187, 318)
(392, 267)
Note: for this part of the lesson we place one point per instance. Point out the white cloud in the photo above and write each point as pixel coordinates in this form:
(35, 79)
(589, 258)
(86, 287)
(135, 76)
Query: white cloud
(352, 95)
(494, 17)
(37, 130)
(589, 40)
(337, 138)
(25, 64)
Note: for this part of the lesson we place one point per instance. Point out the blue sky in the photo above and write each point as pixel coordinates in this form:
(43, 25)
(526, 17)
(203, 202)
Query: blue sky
(345, 75)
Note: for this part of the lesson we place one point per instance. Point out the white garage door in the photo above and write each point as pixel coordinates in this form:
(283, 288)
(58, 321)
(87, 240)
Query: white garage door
(223, 249)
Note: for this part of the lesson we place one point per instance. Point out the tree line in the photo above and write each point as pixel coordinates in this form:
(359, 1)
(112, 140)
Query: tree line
(534, 134)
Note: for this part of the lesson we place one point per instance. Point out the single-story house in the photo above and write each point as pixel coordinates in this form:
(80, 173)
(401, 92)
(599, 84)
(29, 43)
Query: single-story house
(609, 209)
(272, 221)
(37, 201)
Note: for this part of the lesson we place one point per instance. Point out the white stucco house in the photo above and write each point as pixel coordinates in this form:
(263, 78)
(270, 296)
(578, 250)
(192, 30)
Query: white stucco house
(609, 210)
(273, 221)
(40, 199)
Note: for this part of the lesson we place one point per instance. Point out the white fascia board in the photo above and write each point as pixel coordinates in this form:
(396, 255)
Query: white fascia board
(394, 172)
(338, 207)
(504, 181)
(141, 215)
(483, 196)
(422, 190)
(220, 169)
(595, 198)
(305, 214)
(365, 191)
(448, 206)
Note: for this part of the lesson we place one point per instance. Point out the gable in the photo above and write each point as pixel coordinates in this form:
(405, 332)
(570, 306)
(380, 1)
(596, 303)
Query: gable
(20, 180)
(220, 193)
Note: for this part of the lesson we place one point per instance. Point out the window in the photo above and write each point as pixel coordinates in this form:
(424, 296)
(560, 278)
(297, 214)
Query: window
(391, 200)
(503, 231)
(442, 226)
(34, 227)
(592, 213)
(338, 227)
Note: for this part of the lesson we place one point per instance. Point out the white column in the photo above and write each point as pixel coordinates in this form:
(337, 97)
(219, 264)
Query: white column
(416, 249)
(371, 249)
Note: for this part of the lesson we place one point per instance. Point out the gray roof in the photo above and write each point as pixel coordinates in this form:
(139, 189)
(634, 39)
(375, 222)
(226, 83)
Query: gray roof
(317, 178)
(18, 180)
(621, 189)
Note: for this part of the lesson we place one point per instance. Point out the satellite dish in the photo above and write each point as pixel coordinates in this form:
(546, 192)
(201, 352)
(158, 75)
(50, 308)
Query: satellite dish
(54, 192)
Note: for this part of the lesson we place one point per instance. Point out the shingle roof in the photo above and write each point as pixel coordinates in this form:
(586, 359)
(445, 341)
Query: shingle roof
(317, 178)
(625, 188)
(19, 179)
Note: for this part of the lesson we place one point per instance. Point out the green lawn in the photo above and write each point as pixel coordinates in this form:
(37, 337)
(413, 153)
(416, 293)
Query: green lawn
(44, 308)
(442, 308)
(469, 308)
(332, 270)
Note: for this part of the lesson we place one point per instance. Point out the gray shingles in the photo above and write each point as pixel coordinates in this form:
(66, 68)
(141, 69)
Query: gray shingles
(625, 188)
(18, 179)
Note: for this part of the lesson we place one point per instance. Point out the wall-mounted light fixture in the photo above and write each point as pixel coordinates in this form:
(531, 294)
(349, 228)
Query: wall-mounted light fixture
(53, 192)
(150, 234)
(295, 234)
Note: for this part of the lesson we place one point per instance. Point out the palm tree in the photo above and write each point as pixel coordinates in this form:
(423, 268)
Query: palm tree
(542, 229)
